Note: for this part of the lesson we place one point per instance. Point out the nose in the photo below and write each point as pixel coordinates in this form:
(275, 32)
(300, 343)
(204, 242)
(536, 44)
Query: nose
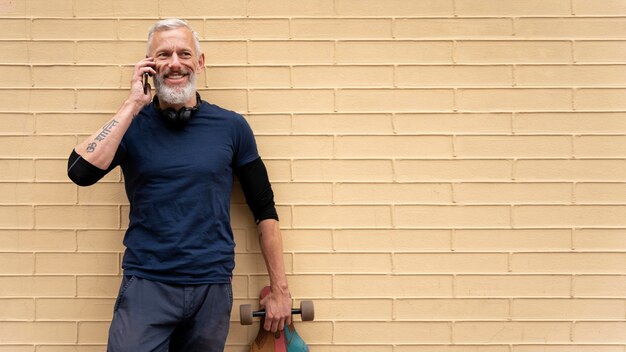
(174, 61)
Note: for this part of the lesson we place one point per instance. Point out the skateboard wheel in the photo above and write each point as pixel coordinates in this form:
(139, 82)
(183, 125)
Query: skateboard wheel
(308, 310)
(245, 314)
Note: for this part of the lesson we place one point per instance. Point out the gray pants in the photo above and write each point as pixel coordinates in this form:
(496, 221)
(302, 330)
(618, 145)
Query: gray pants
(157, 317)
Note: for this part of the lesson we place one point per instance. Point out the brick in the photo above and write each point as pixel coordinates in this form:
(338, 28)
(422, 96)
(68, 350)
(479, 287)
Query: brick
(302, 193)
(79, 28)
(566, 309)
(16, 51)
(290, 52)
(191, 8)
(76, 263)
(420, 28)
(511, 240)
(100, 100)
(76, 76)
(341, 216)
(513, 146)
(72, 348)
(599, 51)
(42, 8)
(452, 309)
(569, 216)
(81, 217)
(387, 286)
(566, 348)
(394, 147)
(17, 263)
(15, 28)
(290, 8)
(235, 100)
(342, 170)
(93, 332)
(570, 123)
(342, 123)
(348, 263)
(607, 7)
(17, 170)
(37, 240)
(16, 217)
(295, 146)
(389, 240)
(512, 193)
(40, 146)
(453, 170)
(446, 123)
(253, 264)
(344, 28)
(513, 99)
(576, 75)
(600, 99)
(342, 76)
(395, 332)
(599, 332)
(599, 239)
(270, 123)
(353, 309)
(37, 193)
(462, 348)
(37, 332)
(20, 124)
(307, 240)
(401, 100)
(36, 100)
(601, 28)
(64, 309)
(103, 193)
(512, 8)
(116, 8)
(48, 52)
(570, 170)
(247, 28)
(17, 309)
(393, 52)
(355, 348)
(599, 286)
(511, 332)
(394, 8)
(600, 146)
(260, 77)
(100, 241)
(440, 263)
(278, 170)
(396, 193)
(513, 52)
(512, 286)
(455, 76)
(43, 286)
(433, 216)
(280, 100)
(110, 52)
(15, 76)
(97, 286)
(568, 262)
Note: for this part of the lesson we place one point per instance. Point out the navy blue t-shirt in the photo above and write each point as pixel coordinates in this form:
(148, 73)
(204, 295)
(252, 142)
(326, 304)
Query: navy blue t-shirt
(179, 184)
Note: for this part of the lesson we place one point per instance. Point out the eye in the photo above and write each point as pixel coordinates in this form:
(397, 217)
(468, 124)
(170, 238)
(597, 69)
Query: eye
(162, 54)
(186, 54)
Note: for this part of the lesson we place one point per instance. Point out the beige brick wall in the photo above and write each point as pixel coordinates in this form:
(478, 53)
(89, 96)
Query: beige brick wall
(450, 174)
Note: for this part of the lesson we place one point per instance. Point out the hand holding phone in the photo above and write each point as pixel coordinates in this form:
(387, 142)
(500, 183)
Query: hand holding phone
(146, 86)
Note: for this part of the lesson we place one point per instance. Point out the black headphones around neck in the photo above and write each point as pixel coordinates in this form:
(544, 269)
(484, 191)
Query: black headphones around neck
(177, 118)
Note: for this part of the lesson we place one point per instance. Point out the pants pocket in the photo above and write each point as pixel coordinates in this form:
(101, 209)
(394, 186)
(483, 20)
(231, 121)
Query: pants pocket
(127, 280)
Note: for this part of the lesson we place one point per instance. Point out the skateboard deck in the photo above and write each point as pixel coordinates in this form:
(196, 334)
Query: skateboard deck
(286, 340)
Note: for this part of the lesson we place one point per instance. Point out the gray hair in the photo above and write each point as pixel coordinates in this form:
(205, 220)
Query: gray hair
(169, 24)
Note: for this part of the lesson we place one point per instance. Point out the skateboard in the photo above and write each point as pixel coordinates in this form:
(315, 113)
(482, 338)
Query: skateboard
(286, 340)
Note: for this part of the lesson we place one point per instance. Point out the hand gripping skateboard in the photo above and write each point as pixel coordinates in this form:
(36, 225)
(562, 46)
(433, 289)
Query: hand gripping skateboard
(286, 340)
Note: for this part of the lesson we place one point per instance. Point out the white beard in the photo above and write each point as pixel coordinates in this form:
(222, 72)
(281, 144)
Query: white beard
(175, 95)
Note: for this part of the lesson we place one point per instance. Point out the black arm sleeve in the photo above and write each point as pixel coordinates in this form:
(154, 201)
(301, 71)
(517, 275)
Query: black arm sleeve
(83, 173)
(257, 189)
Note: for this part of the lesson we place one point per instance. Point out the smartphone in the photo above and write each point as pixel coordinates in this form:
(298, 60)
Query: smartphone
(145, 83)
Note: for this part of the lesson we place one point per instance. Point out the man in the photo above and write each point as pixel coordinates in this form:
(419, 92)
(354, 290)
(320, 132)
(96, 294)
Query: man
(178, 155)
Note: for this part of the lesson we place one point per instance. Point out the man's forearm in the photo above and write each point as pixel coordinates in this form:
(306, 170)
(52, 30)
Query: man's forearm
(272, 248)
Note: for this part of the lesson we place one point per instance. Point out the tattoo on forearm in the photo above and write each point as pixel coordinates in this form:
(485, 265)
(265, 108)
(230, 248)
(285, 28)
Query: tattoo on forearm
(91, 147)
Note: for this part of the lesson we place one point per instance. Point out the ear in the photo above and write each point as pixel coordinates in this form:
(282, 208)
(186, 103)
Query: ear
(200, 63)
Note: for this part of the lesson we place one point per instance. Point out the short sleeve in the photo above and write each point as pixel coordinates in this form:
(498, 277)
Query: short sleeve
(245, 145)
